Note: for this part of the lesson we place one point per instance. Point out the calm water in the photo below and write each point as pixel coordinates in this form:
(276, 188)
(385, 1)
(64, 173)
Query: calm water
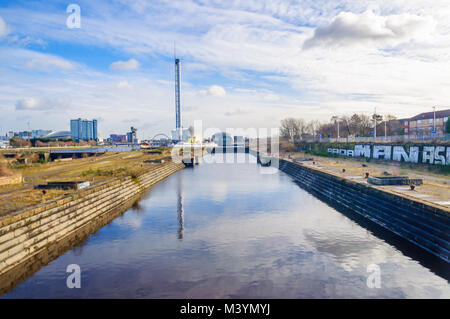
(228, 230)
(100, 149)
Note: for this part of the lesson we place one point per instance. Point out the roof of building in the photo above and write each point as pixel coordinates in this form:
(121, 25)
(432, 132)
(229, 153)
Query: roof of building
(59, 134)
(430, 115)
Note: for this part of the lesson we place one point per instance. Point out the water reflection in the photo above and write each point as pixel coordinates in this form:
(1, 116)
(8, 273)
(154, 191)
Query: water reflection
(137, 207)
(251, 235)
(180, 207)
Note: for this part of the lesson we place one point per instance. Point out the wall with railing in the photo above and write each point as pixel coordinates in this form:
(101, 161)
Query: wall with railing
(382, 139)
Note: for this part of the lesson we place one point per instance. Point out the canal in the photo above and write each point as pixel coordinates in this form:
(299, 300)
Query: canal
(232, 231)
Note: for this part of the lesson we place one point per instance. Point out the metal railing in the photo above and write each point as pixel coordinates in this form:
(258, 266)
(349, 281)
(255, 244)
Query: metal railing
(381, 139)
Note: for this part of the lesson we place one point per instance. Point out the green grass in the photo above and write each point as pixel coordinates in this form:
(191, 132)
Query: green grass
(105, 172)
(21, 166)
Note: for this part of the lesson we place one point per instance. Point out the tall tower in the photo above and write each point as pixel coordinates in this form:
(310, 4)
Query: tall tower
(177, 99)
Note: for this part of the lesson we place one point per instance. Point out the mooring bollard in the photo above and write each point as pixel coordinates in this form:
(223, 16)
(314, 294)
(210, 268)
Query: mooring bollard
(367, 175)
(412, 186)
(343, 170)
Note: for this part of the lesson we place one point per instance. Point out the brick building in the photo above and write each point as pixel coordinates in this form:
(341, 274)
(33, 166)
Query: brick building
(426, 123)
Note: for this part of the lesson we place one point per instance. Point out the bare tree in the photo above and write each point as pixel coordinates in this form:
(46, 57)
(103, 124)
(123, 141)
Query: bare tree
(290, 129)
(354, 125)
(393, 126)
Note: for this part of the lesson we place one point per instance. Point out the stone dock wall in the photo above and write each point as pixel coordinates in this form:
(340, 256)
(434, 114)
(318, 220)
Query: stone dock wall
(31, 238)
(426, 226)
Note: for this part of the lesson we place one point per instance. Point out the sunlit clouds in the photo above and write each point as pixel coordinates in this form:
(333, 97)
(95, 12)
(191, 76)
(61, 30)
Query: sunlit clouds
(244, 64)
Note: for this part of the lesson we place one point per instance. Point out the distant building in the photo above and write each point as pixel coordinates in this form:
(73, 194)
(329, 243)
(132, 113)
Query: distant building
(426, 123)
(184, 132)
(23, 135)
(75, 129)
(33, 134)
(94, 130)
(238, 139)
(132, 137)
(115, 138)
(84, 129)
(39, 133)
(404, 126)
(59, 135)
(222, 139)
(4, 143)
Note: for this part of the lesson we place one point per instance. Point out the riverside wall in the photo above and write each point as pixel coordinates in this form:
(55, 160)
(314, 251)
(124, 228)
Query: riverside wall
(31, 238)
(422, 224)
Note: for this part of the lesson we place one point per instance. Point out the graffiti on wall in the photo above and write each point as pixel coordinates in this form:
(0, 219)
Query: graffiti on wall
(437, 155)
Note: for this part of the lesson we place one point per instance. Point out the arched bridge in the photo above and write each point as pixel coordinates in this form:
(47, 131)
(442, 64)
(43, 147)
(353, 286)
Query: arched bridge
(160, 134)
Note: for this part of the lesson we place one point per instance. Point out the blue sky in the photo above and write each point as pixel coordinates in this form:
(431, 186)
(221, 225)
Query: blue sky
(244, 63)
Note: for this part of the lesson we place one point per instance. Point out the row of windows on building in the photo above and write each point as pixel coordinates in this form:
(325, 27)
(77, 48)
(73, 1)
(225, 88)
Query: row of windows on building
(426, 123)
(130, 137)
(429, 121)
(424, 129)
(26, 134)
(86, 130)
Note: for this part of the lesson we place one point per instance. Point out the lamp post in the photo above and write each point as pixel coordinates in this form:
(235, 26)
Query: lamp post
(375, 123)
(336, 119)
(385, 131)
(338, 128)
(434, 118)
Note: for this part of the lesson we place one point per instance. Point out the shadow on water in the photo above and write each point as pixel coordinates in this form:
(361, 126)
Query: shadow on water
(136, 207)
(426, 259)
(180, 209)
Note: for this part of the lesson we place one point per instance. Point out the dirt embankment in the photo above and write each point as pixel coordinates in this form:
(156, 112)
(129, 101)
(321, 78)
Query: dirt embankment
(96, 169)
(4, 171)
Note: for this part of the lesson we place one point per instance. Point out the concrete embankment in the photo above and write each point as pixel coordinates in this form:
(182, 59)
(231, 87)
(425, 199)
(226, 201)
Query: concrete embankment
(31, 238)
(422, 224)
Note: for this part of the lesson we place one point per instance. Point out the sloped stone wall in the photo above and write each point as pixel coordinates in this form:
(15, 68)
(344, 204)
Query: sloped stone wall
(33, 237)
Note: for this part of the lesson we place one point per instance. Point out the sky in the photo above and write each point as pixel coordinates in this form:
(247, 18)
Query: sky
(244, 64)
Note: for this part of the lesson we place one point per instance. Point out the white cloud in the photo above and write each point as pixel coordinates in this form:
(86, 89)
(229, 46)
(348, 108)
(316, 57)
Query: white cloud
(49, 63)
(131, 64)
(4, 30)
(236, 112)
(40, 104)
(214, 90)
(271, 97)
(28, 103)
(402, 66)
(349, 28)
(25, 41)
(124, 85)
